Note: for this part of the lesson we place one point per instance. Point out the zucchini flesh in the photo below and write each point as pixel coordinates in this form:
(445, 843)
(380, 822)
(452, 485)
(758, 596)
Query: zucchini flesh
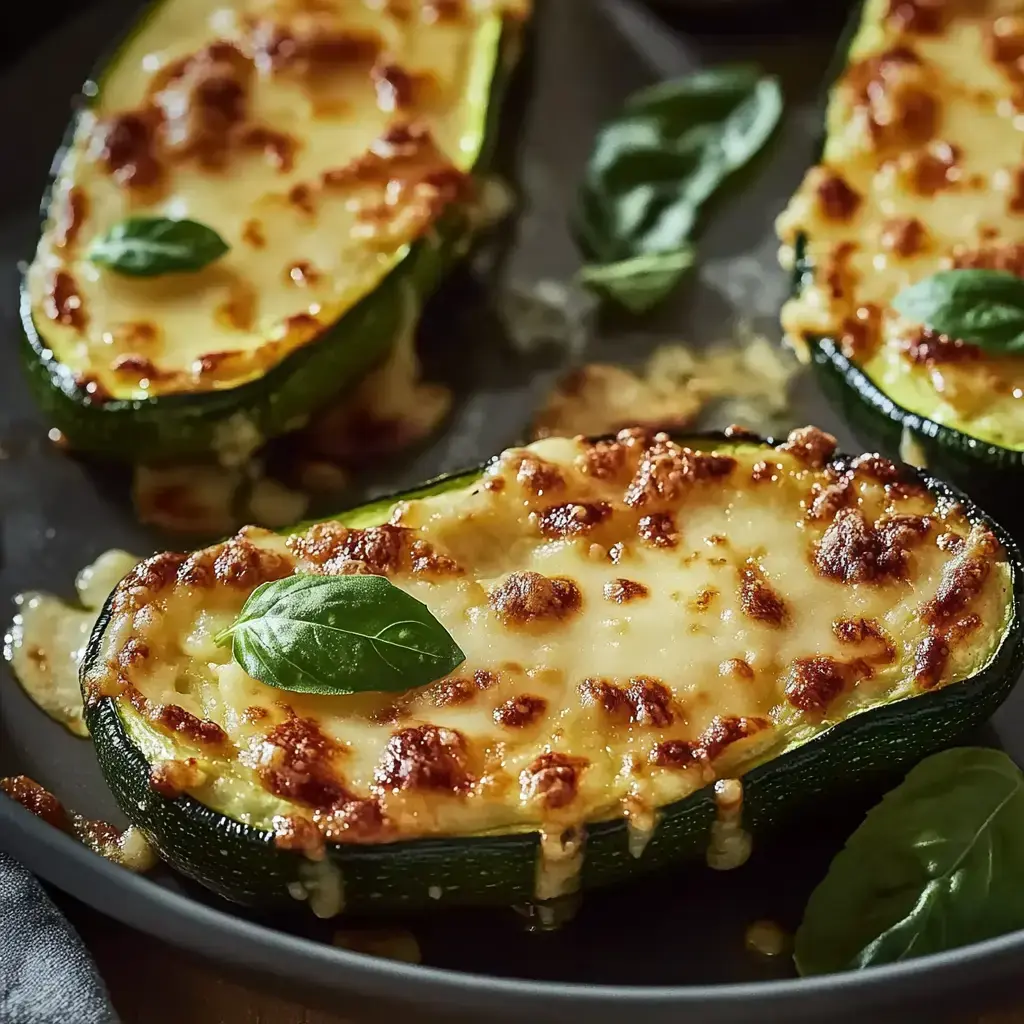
(453, 848)
(338, 154)
(912, 179)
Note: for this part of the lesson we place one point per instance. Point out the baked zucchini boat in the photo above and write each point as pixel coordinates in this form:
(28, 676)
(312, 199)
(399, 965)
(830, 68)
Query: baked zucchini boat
(920, 173)
(644, 622)
(252, 205)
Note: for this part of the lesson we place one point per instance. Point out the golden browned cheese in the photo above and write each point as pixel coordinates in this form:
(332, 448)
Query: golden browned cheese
(922, 171)
(319, 140)
(607, 672)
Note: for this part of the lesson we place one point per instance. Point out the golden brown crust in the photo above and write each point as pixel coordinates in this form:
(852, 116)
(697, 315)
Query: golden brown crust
(520, 712)
(553, 779)
(814, 683)
(574, 519)
(757, 598)
(658, 530)
(811, 446)
(33, 797)
(172, 779)
(854, 550)
(531, 599)
(425, 757)
(622, 591)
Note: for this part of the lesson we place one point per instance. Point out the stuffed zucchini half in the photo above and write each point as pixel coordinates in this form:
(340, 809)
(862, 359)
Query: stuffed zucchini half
(920, 173)
(252, 204)
(641, 620)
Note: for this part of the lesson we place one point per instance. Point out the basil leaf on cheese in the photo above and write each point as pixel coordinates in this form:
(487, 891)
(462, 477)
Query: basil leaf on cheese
(149, 246)
(982, 307)
(339, 634)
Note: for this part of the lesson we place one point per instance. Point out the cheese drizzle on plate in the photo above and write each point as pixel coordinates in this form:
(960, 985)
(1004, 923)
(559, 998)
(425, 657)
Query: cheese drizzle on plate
(47, 639)
(640, 619)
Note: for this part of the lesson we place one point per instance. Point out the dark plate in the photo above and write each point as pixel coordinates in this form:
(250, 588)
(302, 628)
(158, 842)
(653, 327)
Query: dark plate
(663, 949)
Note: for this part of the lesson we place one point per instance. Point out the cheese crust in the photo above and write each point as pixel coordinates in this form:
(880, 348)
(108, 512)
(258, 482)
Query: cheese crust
(319, 140)
(921, 172)
(639, 618)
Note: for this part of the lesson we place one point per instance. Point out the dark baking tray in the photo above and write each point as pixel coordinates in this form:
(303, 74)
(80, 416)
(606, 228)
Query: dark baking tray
(668, 948)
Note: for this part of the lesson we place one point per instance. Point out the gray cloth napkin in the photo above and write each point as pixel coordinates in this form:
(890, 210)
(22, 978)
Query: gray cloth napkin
(46, 975)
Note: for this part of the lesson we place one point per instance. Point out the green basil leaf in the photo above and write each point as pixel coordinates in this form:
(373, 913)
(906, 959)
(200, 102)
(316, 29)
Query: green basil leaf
(148, 246)
(642, 282)
(937, 864)
(981, 307)
(653, 168)
(339, 634)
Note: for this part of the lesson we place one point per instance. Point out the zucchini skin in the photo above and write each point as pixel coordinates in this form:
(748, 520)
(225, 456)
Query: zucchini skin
(499, 869)
(986, 471)
(176, 427)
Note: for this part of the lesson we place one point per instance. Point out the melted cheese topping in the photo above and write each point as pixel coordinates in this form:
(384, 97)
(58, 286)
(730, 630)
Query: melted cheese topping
(318, 140)
(638, 619)
(47, 639)
(922, 171)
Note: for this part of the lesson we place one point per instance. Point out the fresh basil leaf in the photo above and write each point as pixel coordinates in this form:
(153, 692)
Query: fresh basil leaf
(654, 166)
(339, 634)
(937, 864)
(642, 282)
(982, 307)
(148, 246)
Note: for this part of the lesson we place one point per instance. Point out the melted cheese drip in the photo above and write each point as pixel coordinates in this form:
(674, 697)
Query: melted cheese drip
(979, 114)
(730, 844)
(689, 633)
(252, 307)
(47, 639)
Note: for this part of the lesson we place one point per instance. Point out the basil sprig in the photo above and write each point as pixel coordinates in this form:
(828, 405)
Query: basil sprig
(339, 634)
(654, 167)
(982, 307)
(149, 246)
(937, 864)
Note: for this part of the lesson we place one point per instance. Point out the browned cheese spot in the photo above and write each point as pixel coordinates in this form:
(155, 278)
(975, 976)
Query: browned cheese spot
(853, 550)
(811, 446)
(528, 598)
(553, 779)
(721, 733)
(538, 477)
(520, 712)
(903, 236)
(171, 779)
(71, 214)
(642, 701)
(926, 348)
(33, 797)
(235, 563)
(666, 471)
(935, 168)
(126, 146)
(757, 598)
(962, 578)
(893, 97)
(837, 199)
(425, 757)
(328, 546)
(866, 631)
(814, 683)
(63, 302)
(573, 519)
(658, 530)
(622, 591)
(924, 17)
